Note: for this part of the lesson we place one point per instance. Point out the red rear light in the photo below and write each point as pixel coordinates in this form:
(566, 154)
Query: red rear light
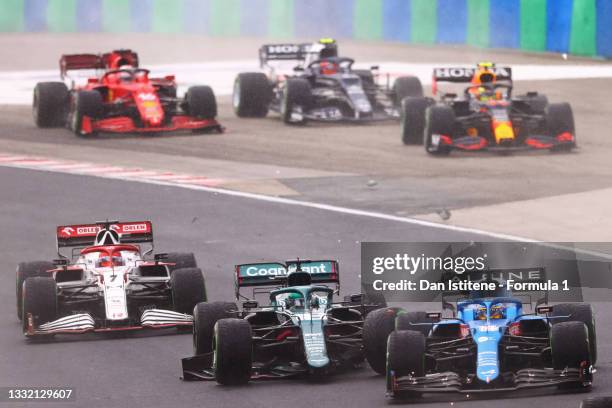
(565, 137)
(444, 139)
(464, 330)
(515, 329)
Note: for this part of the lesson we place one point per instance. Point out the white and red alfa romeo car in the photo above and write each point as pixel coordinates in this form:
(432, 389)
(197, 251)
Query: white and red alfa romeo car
(107, 280)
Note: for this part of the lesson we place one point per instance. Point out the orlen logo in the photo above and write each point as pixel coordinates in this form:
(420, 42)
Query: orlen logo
(135, 228)
(88, 230)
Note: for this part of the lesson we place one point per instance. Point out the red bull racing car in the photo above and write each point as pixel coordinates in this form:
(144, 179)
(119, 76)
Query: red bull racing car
(107, 282)
(121, 98)
(483, 115)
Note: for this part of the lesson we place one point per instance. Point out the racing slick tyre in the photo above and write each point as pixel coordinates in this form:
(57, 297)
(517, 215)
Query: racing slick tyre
(439, 120)
(412, 119)
(376, 328)
(297, 93)
(581, 312)
(569, 343)
(414, 321)
(39, 300)
(205, 316)
(188, 289)
(201, 102)
(233, 348)
(85, 103)
(50, 104)
(27, 270)
(560, 119)
(252, 95)
(405, 355)
(537, 103)
(407, 86)
(180, 260)
(597, 402)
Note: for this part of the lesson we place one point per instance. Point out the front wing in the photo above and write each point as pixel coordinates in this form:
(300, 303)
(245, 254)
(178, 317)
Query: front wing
(451, 382)
(327, 114)
(534, 142)
(200, 368)
(125, 124)
(84, 323)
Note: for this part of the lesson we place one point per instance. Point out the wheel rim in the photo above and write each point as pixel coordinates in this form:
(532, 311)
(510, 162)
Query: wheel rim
(284, 103)
(73, 110)
(214, 349)
(35, 106)
(236, 95)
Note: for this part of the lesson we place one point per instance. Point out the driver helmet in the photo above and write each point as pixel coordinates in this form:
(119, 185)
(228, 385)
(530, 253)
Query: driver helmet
(329, 49)
(481, 313)
(498, 311)
(105, 261)
(125, 73)
(294, 300)
(484, 74)
(328, 68)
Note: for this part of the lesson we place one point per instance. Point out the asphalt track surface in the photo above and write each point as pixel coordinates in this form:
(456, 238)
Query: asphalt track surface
(143, 370)
(405, 180)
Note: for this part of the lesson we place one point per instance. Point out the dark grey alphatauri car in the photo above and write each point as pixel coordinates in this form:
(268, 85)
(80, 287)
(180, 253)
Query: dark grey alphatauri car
(319, 86)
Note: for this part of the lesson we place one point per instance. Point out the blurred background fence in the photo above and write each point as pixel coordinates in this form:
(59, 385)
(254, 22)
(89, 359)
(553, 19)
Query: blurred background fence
(582, 27)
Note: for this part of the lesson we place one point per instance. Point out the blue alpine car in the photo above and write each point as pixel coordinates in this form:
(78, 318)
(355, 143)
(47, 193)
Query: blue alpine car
(490, 343)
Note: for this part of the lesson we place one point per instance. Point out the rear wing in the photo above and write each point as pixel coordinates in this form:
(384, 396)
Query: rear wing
(536, 275)
(74, 62)
(274, 274)
(465, 74)
(132, 232)
(285, 52)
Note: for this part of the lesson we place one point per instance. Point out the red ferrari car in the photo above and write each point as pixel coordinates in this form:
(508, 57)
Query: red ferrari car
(122, 98)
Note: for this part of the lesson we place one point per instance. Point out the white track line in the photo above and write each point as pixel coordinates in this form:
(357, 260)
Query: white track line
(16, 86)
(201, 183)
(161, 178)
